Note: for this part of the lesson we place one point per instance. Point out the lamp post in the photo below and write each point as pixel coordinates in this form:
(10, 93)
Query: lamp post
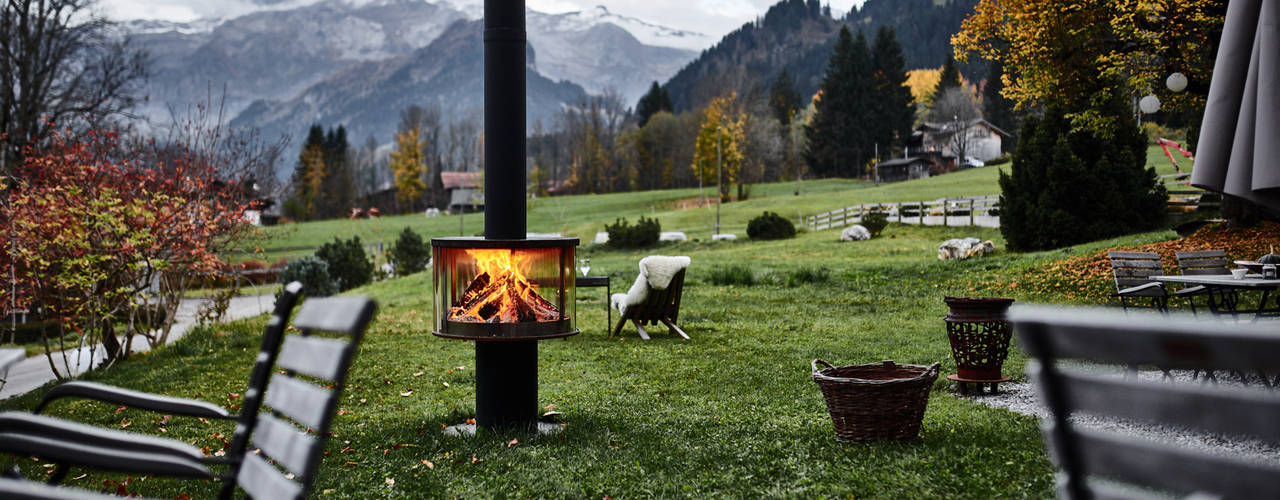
(719, 177)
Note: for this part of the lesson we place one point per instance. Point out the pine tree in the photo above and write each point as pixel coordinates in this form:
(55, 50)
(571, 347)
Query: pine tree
(893, 109)
(652, 102)
(408, 169)
(784, 101)
(1066, 185)
(996, 108)
(838, 138)
(338, 187)
(950, 79)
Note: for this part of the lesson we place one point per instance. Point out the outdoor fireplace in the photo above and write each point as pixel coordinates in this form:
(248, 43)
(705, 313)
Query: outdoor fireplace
(504, 291)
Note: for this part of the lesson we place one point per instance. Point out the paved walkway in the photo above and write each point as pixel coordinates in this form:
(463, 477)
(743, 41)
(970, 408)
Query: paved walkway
(34, 372)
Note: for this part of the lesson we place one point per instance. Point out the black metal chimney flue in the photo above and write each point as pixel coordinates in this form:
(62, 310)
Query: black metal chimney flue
(506, 372)
(504, 117)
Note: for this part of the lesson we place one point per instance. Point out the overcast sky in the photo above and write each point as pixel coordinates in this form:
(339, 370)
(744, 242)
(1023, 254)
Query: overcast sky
(711, 17)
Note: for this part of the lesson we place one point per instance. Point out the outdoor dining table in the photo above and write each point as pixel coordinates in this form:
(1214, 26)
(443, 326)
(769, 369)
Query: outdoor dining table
(1225, 282)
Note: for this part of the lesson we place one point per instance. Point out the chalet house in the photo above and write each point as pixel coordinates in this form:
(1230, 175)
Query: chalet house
(903, 169)
(981, 140)
(463, 191)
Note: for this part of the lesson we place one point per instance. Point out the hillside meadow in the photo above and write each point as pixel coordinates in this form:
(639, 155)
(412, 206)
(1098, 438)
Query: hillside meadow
(732, 413)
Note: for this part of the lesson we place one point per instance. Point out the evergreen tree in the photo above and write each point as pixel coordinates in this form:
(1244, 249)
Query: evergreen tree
(338, 186)
(996, 108)
(1066, 186)
(652, 102)
(838, 135)
(893, 109)
(950, 79)
(784, 101)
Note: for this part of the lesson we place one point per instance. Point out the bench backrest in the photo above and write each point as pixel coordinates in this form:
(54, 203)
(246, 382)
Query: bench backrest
(1102, 336)
(302, 395)
(1134, 268)
(1203, 262)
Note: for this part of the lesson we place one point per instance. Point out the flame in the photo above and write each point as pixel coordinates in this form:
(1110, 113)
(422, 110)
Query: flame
(500, 292)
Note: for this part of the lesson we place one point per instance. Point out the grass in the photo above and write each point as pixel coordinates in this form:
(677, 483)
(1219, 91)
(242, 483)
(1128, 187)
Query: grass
(731, 413)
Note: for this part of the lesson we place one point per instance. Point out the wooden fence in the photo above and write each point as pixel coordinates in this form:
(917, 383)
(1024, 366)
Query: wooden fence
(968, 211)
(1184, 198)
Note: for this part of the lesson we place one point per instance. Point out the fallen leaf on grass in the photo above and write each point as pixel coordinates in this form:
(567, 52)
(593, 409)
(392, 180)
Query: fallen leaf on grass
(513, 442)
(428, 464)
(390, 482)
(407, 393)
(124, 423)
(551, 406)
(471, 421)
(475, 460)
(122, 408)
(418, 374)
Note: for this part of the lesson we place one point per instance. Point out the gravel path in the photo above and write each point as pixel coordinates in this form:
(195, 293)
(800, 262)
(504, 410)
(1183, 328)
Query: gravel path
(1021, 398)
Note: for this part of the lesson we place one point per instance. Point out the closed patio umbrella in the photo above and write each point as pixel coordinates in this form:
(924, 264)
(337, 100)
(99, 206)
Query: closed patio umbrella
(1239, 149)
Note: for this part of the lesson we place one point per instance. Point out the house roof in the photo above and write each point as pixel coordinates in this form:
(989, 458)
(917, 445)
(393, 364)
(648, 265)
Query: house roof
(946, 127)
(454, 180)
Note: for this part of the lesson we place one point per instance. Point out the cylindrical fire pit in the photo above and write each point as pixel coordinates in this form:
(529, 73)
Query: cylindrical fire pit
(979, 338)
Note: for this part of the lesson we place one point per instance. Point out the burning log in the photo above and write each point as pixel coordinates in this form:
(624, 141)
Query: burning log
(505, 298)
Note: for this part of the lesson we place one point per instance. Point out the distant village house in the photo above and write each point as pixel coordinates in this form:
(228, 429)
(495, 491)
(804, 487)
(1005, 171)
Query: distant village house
(463, 191)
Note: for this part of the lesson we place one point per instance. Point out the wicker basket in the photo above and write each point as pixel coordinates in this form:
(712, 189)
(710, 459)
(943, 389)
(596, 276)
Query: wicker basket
(876, 401)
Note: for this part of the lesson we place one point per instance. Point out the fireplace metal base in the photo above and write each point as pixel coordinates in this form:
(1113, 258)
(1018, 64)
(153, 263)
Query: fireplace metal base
(507, 384)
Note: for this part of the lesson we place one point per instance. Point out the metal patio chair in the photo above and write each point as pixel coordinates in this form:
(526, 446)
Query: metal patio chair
(1084, 454)
(330, 332)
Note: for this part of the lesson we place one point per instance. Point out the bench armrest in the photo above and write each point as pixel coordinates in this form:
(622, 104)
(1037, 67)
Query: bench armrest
(82, 454)
(133, 399)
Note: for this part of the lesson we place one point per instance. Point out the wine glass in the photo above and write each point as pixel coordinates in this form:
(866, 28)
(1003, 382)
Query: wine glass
(584, 265)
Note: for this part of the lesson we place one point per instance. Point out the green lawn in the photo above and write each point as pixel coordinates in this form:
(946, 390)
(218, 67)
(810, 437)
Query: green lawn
(731, 413)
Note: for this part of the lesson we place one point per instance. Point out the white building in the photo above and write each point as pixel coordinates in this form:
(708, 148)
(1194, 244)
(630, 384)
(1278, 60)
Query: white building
(981, 139)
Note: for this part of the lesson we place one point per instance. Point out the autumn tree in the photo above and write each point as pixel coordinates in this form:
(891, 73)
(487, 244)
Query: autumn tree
(1080, 55)
(61, 64)
(408, 169)
(718, 151)
(96, 221)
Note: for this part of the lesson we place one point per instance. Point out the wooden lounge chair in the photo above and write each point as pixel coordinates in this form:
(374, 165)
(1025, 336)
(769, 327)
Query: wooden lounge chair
(655, 296)
(1132, 271)
(1051, 335)
(1203, 263)
(330, 331)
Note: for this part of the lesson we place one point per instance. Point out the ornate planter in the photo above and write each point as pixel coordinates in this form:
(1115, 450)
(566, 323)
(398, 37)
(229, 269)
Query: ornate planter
(979, 338)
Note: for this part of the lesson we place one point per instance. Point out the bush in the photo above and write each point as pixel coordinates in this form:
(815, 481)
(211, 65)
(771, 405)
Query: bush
(410, 253)
(643, 234)
(348, 265)
(875, 221)
(314, 275)
(1072, 186)
(770, 226)
(732, 275)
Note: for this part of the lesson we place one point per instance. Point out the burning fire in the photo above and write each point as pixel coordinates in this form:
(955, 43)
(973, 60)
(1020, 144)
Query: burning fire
(500, 293)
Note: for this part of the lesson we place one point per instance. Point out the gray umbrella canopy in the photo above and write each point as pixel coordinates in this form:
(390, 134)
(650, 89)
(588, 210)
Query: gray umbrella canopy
(1239, 149)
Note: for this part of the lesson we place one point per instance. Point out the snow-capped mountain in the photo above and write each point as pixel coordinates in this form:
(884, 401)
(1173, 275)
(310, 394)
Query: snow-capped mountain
(276, 49)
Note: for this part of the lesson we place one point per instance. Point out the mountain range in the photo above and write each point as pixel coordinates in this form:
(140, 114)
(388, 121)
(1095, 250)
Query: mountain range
(286, 64)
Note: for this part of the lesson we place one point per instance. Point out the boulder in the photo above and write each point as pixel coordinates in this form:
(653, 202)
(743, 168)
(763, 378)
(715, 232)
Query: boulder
(963, 248)
(602, 237)
(855, 233)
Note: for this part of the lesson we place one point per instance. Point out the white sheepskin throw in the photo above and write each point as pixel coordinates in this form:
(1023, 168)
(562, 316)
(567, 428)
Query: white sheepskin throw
(656, 271)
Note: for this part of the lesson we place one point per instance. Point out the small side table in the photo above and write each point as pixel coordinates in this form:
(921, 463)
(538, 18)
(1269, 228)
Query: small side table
(598, 281)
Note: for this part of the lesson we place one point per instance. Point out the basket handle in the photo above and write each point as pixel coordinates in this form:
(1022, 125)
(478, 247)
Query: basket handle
(815, 365)
(933, 369)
